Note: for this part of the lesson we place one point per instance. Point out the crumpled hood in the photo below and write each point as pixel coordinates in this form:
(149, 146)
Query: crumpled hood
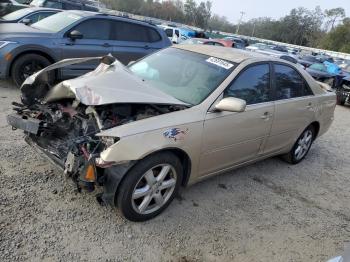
(109, 83)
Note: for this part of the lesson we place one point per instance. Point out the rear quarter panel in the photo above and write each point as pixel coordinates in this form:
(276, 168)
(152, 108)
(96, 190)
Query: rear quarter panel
(325, 111)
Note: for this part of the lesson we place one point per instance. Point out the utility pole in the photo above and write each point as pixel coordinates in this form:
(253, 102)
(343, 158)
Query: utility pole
(239, 22)
(253, 29)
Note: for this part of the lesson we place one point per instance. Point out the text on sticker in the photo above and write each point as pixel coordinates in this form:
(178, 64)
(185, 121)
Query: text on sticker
(219, 62)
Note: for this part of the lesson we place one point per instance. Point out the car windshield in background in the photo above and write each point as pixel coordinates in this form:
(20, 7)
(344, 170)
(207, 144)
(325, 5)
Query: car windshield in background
(187, 76)
(310, 58)
(57, 22)
(16, 14)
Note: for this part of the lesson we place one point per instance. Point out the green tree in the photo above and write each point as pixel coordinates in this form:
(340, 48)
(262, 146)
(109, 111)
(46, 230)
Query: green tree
(339, 38)
(333, 16)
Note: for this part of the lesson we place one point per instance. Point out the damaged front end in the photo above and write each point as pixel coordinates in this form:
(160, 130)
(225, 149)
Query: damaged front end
(63, 121)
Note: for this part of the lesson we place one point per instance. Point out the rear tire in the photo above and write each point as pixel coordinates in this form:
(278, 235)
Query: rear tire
(26, 65)
(301, 147)
(143, 194)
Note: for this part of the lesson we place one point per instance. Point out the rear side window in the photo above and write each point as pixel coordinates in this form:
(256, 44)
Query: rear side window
(125, 31)
(253, 85)
(289, 83)
(153, 35)
(94, 29)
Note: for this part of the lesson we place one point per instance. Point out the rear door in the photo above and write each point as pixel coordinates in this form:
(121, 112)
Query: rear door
(132, 41)
(96, 41)
(231, 138)
(294, 107)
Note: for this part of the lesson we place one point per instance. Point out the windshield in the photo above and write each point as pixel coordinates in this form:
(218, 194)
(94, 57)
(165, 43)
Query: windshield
(56, 22)
(310, 58)
(17, 14)
(187, 76)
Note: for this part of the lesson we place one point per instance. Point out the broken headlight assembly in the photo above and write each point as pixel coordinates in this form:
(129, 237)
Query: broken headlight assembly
(109, 140)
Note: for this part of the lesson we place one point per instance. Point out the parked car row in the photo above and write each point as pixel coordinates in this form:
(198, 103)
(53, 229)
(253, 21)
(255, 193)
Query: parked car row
(29, 15)
(74, 34)
(8, 6)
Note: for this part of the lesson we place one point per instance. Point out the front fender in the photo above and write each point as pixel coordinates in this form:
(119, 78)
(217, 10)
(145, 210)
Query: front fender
(134, 147)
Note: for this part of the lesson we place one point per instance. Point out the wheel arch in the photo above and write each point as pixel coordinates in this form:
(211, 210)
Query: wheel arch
(316, 125)
(121, 172)
(26, 52)
(184, 158)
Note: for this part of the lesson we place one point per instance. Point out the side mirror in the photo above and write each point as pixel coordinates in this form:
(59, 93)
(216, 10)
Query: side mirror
(75, 35)
(26, 21)
(231, 104)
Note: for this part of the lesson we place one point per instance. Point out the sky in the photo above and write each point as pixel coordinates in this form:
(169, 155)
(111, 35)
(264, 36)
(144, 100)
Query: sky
(269, 8)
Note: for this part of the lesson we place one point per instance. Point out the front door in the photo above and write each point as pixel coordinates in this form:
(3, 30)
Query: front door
(95, 42)
(232, 138)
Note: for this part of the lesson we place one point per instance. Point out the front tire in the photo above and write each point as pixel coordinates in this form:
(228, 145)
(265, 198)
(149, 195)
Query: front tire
(150, 186)
(301, 147)
(26, 65)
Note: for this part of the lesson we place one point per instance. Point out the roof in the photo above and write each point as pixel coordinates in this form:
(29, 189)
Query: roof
(231, 54)
(84, 13)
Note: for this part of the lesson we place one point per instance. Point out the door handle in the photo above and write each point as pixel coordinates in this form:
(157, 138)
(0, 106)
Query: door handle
(106, 45)
(147, 47)
(266, 115)
(309, 106)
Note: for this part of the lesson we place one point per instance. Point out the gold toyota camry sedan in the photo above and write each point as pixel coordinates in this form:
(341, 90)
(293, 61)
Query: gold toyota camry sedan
(171, 119)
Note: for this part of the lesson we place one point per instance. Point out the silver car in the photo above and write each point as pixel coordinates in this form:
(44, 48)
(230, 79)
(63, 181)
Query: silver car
(171, 119)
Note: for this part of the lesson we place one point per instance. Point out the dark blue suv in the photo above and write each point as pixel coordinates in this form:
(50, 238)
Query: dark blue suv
(70, 34)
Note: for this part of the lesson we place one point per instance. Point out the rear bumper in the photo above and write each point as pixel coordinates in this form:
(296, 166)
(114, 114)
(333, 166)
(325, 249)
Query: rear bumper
(343, 93)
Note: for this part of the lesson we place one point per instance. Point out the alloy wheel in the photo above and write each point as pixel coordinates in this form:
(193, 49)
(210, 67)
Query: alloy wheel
(303, 145)
(154, 189)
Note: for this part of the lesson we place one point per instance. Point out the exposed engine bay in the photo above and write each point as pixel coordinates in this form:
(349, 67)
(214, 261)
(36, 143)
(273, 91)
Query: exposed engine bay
(65, 128)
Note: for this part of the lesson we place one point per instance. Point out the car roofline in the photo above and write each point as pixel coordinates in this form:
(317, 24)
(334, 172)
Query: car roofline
(84, 13)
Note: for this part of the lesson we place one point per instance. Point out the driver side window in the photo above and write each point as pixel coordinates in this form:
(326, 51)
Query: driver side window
(253, 85)
(97, 29)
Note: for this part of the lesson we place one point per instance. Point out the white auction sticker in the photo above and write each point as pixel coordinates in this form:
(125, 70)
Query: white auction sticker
(219, 62)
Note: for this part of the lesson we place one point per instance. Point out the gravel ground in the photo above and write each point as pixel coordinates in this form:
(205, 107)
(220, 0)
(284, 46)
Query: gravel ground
(269, 211)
